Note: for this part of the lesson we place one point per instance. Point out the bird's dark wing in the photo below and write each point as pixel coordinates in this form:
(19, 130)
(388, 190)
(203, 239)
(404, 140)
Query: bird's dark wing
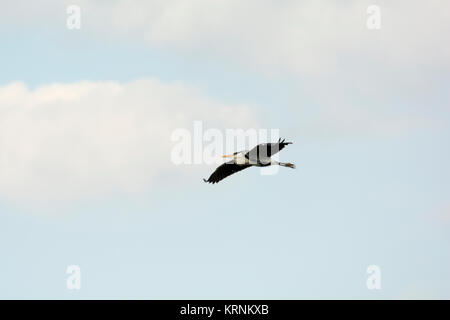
(264, 150)
(225, 170)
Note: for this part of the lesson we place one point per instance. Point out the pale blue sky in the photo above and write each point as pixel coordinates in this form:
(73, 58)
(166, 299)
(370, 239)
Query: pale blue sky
(371, 186)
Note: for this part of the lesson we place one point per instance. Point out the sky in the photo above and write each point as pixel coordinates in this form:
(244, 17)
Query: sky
(86, 175)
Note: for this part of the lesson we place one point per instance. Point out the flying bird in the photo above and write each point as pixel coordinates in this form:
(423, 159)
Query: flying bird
(259, 156)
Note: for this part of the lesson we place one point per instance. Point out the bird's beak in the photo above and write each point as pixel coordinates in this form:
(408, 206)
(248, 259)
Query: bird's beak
(227, 156)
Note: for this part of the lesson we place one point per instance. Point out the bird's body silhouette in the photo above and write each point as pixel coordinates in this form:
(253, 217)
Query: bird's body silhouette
(259, 156)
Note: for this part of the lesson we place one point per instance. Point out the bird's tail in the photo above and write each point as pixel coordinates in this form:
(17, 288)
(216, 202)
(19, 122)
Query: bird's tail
(287, 164)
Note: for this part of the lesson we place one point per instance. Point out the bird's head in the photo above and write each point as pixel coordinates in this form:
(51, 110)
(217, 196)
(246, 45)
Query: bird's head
(236, 154)
(238, 157)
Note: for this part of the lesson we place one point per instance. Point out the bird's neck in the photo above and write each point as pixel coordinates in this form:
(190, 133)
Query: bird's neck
(240, 158)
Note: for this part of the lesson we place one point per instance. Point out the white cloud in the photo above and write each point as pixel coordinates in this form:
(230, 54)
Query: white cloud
(293, 36)
(307, 36)
(69, 141)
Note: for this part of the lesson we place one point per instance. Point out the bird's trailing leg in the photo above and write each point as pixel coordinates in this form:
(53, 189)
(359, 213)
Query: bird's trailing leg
(287, 164)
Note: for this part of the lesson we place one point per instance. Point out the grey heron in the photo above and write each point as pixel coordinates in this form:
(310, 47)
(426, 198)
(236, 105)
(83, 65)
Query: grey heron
(259, 156)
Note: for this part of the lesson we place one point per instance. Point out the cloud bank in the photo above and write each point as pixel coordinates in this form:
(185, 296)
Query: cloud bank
(300, 37)
(68, 141)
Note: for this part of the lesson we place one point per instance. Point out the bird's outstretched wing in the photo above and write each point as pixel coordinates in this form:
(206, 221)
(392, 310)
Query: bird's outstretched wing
(224, 170)
(266, 150)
